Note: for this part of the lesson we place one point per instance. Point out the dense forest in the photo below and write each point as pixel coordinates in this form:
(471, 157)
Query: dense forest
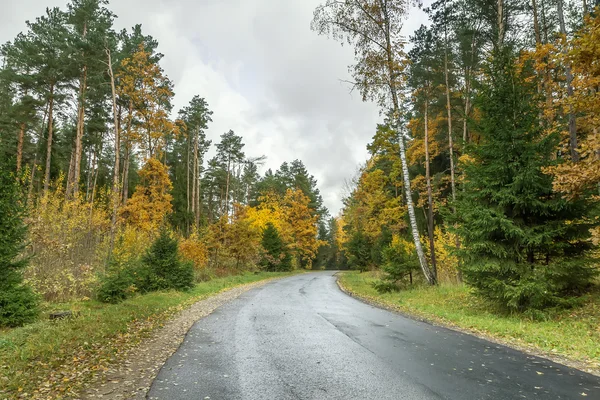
(103, 182)
(485, 167)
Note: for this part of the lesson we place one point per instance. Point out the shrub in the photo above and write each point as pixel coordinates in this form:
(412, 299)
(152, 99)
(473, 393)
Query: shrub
(399, 263)
(163, 268)
(18, 303)
(117, 286)
(67, 245)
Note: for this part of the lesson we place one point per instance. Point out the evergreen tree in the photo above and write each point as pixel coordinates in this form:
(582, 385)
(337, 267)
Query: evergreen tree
(358, 251)
(524, 246)
(165, 269)
(18, 304)
(275, 257)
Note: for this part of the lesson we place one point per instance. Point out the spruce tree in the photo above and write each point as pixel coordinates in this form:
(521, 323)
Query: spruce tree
(524, 246)
(18, 303)
(275, 257)
(165, 269)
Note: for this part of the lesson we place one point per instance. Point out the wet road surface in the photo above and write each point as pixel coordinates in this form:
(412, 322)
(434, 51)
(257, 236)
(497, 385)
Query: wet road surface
(302, 338)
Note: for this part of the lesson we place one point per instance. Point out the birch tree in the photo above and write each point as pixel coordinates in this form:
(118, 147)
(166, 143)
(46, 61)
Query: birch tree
(373, 28)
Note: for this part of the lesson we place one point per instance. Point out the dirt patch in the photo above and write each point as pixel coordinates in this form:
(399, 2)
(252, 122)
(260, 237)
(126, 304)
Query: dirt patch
(133, 376)
(528, 349)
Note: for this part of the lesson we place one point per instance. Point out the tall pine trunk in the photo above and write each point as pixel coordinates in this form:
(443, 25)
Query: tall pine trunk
(227, 186)
(20, 139)
(569, 76)
(75, 167)
(117, 149)
(449, 112)
(78, 151)
(429, 195)
(49, 141)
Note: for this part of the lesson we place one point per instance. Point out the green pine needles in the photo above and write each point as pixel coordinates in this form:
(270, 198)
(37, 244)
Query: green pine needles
(161, 268)
(18, 303)
(275, 256)
(523, 245)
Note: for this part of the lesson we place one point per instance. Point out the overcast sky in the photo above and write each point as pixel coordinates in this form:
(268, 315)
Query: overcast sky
(263, 72)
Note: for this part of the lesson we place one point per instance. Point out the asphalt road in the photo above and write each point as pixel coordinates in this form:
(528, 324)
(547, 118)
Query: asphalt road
(302, 338)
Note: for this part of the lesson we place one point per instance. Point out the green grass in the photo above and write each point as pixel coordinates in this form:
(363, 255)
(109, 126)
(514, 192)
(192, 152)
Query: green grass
(53, 358)
(573, 334)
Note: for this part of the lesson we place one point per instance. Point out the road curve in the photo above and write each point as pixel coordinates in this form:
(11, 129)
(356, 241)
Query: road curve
(302, 338)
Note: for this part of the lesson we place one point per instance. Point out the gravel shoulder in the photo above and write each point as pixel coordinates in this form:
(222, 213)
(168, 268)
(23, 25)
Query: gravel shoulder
(133, 376)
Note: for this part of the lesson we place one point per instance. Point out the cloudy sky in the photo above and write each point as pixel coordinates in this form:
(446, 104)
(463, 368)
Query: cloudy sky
(264, 73)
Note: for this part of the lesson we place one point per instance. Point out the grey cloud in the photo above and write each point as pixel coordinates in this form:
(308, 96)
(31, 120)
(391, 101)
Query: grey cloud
(264, 73)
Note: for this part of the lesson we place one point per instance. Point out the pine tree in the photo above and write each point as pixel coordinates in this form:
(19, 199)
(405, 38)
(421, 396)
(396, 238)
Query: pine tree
(166, 270)
(18, 304)
(275, 257)
(524, 245)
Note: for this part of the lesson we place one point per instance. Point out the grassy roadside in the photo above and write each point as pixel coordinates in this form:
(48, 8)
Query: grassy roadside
(570, 336)
(50, 358)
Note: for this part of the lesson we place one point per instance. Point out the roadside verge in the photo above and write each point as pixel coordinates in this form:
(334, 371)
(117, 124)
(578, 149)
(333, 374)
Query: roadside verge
(571, 337)
(108, 344)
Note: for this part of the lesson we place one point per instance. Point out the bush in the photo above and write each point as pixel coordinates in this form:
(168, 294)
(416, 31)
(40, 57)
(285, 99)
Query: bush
(18, 306)
(18, 303)
(164, 268)
(117, 286)
(67, 243)
(399, 263)
(521, 287)
(161, 268)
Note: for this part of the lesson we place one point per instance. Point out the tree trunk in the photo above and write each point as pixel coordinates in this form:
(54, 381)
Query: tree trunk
(500, 23)
(70, 175)
(79, 137)
(227, 186)
(536, 24)
(126, 173)
(75, 167)
(127, 153)
(115, 185)
(449, 111)
(198, 192)
(391, 72)
(49, 141)
(429, 196)
(187, 187)
(35, 160)
(569, 76)
(411, 212)
(195, 188)
(20, 140)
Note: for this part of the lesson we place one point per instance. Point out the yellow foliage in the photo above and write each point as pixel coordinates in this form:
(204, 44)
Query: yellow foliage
(68, 245)
(194, 250)
(447, 263)
(149, 91)
(131, 242)
(303, 225)
(151, 201)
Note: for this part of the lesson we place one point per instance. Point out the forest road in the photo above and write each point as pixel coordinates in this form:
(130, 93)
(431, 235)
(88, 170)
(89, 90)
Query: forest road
(303, 338)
